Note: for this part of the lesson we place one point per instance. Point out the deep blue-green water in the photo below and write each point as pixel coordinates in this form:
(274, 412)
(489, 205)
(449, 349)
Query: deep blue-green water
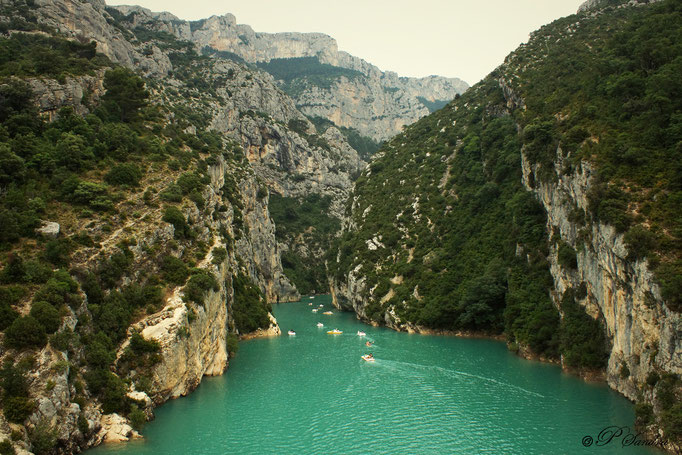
(312, 393)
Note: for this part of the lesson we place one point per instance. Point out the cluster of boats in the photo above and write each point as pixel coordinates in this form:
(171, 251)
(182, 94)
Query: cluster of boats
(335, 331)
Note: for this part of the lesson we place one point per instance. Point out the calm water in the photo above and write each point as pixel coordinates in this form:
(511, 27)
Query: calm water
(312, 393)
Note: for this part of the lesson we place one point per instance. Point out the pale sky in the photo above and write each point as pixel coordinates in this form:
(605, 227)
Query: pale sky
(453, 38)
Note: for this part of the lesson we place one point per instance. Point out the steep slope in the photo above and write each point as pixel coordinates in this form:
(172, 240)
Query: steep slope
(290, 156)
(324, 81)
(136, 241)
(542, 203)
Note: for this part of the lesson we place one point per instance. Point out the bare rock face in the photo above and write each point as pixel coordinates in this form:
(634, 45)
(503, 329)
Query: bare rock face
(644, 333)
(90, 21)
(190, 349)
(51, 95)
(49, 229)
(116, 429)
(377, 103)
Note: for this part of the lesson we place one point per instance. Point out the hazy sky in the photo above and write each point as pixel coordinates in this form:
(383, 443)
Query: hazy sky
(454, 38)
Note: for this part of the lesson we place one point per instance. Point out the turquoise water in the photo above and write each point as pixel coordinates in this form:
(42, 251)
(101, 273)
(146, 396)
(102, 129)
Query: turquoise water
(312, 393)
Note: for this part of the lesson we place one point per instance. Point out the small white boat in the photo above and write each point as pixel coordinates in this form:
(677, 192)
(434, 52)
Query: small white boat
(368, 358)
(335, 332)
(312, 297)
(361, 334)
(314, 310)
(319, 324)
(291, 332)
(321, 305)
(310, 304)
(327, 312)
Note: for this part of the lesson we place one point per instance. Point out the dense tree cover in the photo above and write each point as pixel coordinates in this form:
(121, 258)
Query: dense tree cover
(249, 307)
(32, 55)
(616, 104)
(83, 169)
(462, 246)
(298, 73)
(451, 234)
(305, 221)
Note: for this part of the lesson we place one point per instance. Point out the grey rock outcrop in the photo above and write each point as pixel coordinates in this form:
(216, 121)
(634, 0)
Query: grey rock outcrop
(90, 21)
(51, 95)
(49, 229)
(596, 4)
(378, 104)
(645, 334)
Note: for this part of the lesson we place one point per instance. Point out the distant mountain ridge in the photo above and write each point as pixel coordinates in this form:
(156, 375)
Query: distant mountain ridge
(378, 104)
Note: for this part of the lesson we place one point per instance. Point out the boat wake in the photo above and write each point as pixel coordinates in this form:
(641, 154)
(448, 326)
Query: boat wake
(411, 367)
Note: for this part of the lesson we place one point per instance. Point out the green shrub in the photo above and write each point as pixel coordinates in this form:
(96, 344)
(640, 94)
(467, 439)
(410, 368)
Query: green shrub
(124, 174)
(567, 257)
(583, 343)
(174, 270)
(670, 278)
(63, 340)
(644, 414)
(60, 289)
(198, 199)
(99, 353)
(172, 193)
(137, 417)
(25, 332)
(14, 271)
(140, 346)
(47, 315)
(199, 283)
(7, 314)
(6, 448)
(175, 217)
(671, 421)
(652, 378)
(232, 344)
(17, 409)
(189, 182)
(219, 255)
(125, 94)
(83, 425)
(37, 272)
(112, 270)
(640, 242)
(43, 438)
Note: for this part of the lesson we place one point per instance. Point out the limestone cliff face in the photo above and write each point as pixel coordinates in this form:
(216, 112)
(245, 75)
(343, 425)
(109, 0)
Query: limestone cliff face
(378, 104)
(260, 247)
(193, 337)
(51, 95)
(256, 115)
(644, 333)
(249, 108)
(88, 20)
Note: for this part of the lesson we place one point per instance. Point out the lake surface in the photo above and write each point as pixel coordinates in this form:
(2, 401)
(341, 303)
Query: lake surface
(312, 393)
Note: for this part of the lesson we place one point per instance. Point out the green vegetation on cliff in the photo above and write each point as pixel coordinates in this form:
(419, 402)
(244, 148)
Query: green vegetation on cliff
(299, 73)
(616, 104)
(445, 235)
(126, 164)
(304, 223)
